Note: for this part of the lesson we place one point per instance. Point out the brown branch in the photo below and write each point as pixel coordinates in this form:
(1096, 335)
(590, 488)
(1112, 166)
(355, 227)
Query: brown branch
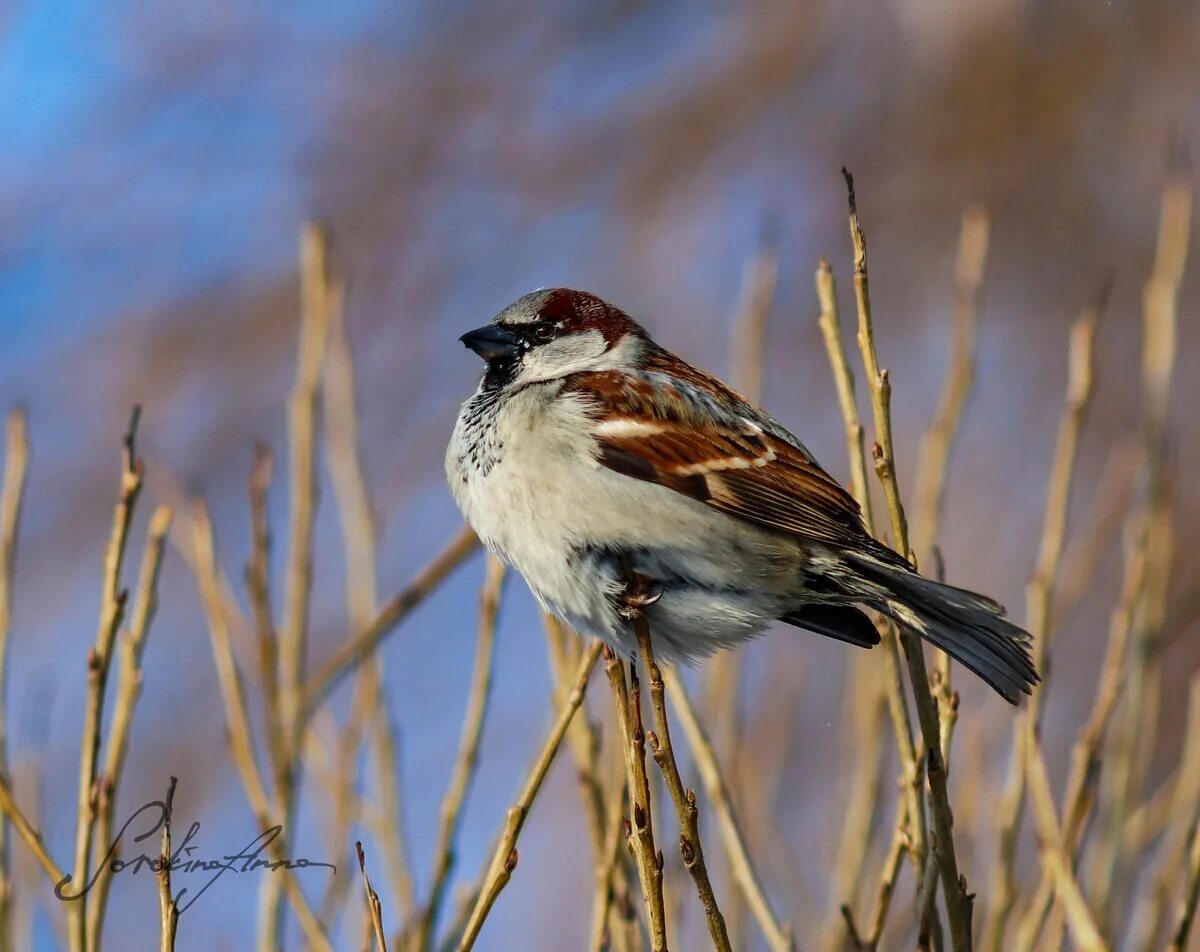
(778, 936)
(607, 863)
(1039, 604)
(504, 859)
(723, 675)
(16, 464)
(374, 909)
(169, 909)
(937, 443)
(640, 829)
(237, 719)
(1187, 905)
(129, 688)
(258, 585)
(1160, 319)
(112, 612)
(1078, 799)
(32, 837)
(843, 378)
(1055, 855)
(958, 901)
(468, 748)
(912, 817)
(883, 897)
(685, 800)
(369, 712)
(1179, 822)
(611, 875)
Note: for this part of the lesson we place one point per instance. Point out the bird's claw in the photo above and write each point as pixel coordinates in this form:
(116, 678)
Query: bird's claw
(639, 594)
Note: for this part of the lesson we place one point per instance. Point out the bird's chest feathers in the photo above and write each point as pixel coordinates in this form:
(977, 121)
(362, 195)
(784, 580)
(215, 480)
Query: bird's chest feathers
(514, 458)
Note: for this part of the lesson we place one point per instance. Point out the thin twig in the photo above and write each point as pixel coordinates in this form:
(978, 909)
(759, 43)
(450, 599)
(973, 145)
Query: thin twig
(258, 585)
(112, 612)
(16, 463)
(887, 886)
(958, 901)
(504, 859)
(32, 837)
(779, 937)
(937, 444)
(863, 692)
(129, 688)
(607, 864)
(723, 675)
(1055, 858)
(1180, 821)
(1082, 776)
(237, 716)
(1191, 893)
(374, 909)
(369, 713)
(168, 907)
(640, 830)
(1131, 755)
(318, 301)
(468, 748)
(1039, 599)
(685, 800)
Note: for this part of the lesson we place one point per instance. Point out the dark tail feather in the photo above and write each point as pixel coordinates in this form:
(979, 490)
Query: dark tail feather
(836, 621)
(970, 628)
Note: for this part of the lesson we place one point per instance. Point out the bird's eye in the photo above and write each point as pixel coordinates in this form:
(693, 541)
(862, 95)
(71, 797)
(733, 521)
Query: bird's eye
(543, 330)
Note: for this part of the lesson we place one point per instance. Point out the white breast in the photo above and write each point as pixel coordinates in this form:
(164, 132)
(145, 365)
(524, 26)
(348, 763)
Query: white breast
(525, 475)
(524, 471)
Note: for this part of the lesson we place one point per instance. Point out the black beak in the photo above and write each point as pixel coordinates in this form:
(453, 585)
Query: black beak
(492, 342)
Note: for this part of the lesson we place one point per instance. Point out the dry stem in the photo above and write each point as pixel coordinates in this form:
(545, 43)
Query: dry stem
(910, 821)
(1055, 855)
(504, 859)
(16, 463)
(958, 902)
(1078, 798)
(685, 800)
(359, 531)
(374, 909)
(468, 748)
(129, 688)
(640, 831)
(237, 716)
(169, 909)
(779, 937)
(1039, 602)
(319, 300)
(723, 674)
(112, 612)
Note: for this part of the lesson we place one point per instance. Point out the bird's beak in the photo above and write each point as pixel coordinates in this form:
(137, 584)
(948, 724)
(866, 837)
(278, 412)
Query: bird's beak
(492, 342)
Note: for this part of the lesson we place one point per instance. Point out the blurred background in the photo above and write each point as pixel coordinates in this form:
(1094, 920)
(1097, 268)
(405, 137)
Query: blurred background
(160, 159)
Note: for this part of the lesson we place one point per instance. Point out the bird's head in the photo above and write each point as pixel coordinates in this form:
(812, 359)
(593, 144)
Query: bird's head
(551, 333)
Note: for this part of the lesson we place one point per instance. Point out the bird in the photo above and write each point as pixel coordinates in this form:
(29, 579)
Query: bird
(619, 479)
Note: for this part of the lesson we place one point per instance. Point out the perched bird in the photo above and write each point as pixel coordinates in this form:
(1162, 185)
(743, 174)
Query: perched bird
(589, 456)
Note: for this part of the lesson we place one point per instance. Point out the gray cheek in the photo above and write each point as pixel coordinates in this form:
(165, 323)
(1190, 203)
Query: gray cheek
(562, 356)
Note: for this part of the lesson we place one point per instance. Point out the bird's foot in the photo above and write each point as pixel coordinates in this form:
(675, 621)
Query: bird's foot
(640, 593)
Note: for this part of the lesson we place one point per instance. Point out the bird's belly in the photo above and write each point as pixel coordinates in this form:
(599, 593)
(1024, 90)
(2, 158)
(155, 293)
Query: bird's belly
(569, 531)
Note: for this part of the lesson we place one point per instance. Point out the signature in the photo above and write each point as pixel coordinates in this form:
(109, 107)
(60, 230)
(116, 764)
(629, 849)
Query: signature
(183, 859)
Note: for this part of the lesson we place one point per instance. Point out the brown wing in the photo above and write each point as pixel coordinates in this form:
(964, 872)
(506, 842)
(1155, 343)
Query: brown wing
(698, 438)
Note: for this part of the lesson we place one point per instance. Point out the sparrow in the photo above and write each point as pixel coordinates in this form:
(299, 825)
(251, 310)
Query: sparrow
(589, 458)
